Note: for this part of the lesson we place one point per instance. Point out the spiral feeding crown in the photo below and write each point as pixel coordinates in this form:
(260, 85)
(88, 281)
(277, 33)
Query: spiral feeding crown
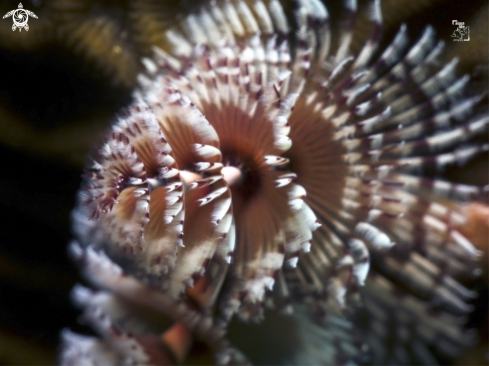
(257, 166)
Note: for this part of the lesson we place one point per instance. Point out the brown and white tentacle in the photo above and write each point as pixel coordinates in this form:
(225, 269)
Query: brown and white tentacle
(207, 197)
(401, 328)
(247, 98)
(136, 192)
(121, 291)
(338, 132)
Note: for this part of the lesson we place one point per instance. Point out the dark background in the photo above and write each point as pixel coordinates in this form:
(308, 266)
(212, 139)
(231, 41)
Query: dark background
(56, 98)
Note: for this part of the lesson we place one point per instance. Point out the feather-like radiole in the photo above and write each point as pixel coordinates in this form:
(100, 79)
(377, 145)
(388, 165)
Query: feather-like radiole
(255, 158)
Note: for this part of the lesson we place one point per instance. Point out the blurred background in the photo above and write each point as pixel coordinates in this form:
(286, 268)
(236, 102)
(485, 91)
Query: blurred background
(62, 82)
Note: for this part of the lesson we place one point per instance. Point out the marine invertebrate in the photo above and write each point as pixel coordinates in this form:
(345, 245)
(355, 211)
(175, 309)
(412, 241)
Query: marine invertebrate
(259, 161)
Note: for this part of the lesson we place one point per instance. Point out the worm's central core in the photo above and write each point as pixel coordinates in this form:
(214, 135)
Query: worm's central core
(242, 174)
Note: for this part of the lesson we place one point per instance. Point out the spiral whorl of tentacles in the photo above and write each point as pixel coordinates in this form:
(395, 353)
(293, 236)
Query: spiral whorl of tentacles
(255, 159)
